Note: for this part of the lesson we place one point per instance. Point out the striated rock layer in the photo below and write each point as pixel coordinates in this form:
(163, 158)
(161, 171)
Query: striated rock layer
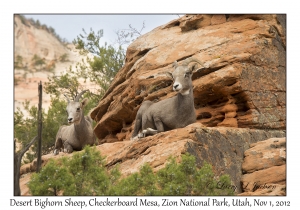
(264, 168)
(30, 41)
(223, 148)
(243, 86)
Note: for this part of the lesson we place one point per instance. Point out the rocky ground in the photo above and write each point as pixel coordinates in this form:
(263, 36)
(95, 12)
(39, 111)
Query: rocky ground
(224, 148)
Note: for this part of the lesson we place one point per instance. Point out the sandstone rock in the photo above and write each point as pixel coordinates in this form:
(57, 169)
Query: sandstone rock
(193, 22)
(221, 147)
(30, 41)
(218, 19)
(247, 69)
(265, 179)
(268, 189)
(31, 167)
(265, 168)
(271, 152)
(23, 183)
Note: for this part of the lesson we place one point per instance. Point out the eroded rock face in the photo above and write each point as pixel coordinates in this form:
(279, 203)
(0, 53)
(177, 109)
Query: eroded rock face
(244, 85)
(264, 168)
(54, 57)
(30, 41)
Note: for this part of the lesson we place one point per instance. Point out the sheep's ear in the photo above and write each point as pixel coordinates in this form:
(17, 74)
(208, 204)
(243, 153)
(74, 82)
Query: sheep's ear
(84, 102)
(169, 74)
(175, 64)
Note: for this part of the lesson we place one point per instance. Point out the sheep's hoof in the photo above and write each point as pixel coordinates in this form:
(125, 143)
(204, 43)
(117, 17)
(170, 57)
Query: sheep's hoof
(55, 152)
(149, 131)
(134, 138)
(141, 135)
(70, 150)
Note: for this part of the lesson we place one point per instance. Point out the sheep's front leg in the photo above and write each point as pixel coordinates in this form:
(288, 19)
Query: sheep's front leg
(150, 131)
(58, 146)
(159, 125)
(68, 148)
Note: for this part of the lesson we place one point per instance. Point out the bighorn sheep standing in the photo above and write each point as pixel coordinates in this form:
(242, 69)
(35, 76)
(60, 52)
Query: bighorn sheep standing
(171, 113)
(80, 132)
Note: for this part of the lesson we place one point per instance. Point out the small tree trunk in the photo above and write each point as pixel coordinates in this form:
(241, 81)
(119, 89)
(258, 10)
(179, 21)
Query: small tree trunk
(39, 149)
(17, 164)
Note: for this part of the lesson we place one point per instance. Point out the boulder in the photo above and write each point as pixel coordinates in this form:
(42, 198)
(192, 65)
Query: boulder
(271, 152)
(264, 168)
(243, 86)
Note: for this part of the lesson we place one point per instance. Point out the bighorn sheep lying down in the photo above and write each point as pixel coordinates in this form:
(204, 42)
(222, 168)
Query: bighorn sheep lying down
(80, 132)
(171, 113)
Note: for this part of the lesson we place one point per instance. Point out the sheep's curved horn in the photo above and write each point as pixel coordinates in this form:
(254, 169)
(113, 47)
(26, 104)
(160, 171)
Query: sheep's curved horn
(79, 95)
(67, 98)
(191, 59)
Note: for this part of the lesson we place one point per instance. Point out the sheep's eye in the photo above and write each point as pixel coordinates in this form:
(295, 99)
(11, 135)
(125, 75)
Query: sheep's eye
(78, 109)
(186, 75)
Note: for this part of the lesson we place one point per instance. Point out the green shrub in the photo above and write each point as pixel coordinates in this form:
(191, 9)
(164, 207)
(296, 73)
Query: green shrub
(85, 174)
(140, 183)
(18, 62)
(38, 62)
(25, 128)
(63, 58)
(89, 173)
(52, 180)
(186, 179)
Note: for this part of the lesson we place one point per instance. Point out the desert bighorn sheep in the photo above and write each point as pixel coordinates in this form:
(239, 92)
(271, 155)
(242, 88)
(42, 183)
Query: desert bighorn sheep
(171, 113)
(80, 132)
